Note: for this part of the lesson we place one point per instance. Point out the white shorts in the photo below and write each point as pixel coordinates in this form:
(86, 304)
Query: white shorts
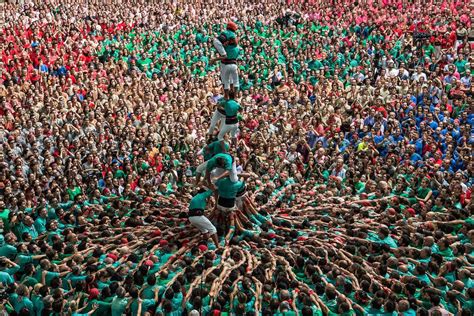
(229, 75)
(203, 224)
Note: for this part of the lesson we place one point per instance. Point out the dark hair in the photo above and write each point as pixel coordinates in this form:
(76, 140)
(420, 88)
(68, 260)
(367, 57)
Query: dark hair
(390, 306)
(167, 306)
(133, 292)
(435, 300)
(169, 294)
(197, 302)
(306, 311)
(344, 306)
(151, 279)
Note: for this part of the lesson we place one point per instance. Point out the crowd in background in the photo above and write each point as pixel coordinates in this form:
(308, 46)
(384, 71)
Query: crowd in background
(357, 120)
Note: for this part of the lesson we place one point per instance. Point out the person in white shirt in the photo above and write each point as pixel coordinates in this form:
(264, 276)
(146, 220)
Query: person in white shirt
(418, 74)
(391, 72)
(466, 79)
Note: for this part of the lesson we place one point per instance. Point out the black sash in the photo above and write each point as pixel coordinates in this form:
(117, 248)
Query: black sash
(231, 120)
(229, 61)
(195, 212)
(226, 202)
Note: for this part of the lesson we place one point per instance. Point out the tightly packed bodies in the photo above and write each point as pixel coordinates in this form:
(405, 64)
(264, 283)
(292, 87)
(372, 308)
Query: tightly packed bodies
(342, 136)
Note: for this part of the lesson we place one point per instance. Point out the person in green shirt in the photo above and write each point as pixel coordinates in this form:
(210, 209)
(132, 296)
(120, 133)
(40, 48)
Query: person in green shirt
(119, 303)
(139, 306)
(196, 217)
(231, 125)
(26, 226)
(227, 191)
(226, 45)
(221, 165)
(6, 246)
(41, 220)
(208, 152)
(423, 193)
(20, 300)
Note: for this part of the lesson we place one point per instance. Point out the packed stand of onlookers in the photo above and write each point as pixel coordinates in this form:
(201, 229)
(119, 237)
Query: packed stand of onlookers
(357, 129)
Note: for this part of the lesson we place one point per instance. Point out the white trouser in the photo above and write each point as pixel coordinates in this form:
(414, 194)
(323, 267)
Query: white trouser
(229, 75)
(233, 129)
(229, 72)
(203, 224)
(216, 117)
(201, 169)
(233, 176)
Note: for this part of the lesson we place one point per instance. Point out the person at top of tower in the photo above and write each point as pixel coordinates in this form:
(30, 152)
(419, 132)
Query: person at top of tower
(226, 45)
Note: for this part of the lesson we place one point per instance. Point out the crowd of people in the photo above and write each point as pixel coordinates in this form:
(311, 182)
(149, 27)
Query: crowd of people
(355, 137)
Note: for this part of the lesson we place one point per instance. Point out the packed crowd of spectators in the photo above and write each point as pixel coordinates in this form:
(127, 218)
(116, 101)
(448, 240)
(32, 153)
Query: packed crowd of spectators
(357, 122)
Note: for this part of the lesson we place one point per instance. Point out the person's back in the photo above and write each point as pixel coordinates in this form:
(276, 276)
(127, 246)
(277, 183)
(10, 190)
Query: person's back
(119, 303)
(224, 157)
(231, 107)
(228, 189)
(215, 148)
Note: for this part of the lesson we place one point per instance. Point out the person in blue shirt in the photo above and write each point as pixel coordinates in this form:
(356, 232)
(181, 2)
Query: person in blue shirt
(414, 157)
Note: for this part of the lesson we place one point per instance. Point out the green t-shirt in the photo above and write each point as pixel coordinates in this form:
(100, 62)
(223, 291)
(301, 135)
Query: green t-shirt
(40, 225)
(211, 164)
(232, 49)
(119, 174)
(4, 217)
(149, 291)
(118, 306)
(74, 192)
(31, 230)
(6, 279)
(461, 66)
(146, 304)
(422, 192)
(231, 108)
(215, 148)
(228, 189)
(8, 251)
(199, 201)
(20, 302)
